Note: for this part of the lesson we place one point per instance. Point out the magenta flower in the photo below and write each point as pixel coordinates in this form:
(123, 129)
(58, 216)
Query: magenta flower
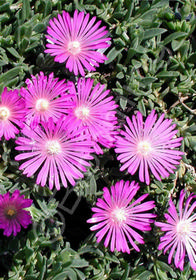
(118, 218)
(12, 213)
(77, 41)
(57, 155)
(45, 98)
(12, 113)
(180, 231)
(93, 109)
(149, 145)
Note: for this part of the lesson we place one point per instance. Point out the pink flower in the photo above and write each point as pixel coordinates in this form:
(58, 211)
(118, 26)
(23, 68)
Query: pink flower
(180, 231)
(149, 145)
(118, 218)
(12, 113)
(45, 98)
(77, 41)
(57, 155)
(12, 213)
(93, 109)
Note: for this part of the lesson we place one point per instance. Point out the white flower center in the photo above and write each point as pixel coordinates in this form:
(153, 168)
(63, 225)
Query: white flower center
(4, 113)
(53, 147)
(183, 228)
(119, 215)
(74, 47)
(144, 148)
(42, 104)
(82, 112)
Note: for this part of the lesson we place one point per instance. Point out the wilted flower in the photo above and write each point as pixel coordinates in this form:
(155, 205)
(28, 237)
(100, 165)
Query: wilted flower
(45, 98)
(180, 231)
(12, 213)
(77, 41)
(12, 113)
(93, 109)
(149, 145)
(53, 151)
(118, 217)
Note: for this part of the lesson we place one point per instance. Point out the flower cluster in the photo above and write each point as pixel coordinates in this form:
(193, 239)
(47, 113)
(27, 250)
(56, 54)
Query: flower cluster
(62, 126)
(117, 218)
(62, 123)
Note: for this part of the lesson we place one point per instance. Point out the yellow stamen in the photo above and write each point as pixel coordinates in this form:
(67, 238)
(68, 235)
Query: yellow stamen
(11, 212)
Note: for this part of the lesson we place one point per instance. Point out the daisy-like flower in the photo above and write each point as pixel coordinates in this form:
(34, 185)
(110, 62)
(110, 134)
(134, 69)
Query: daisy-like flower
(149, 145)
(12, 113)
(180, 231)
(12, 213)
(45, 98)
(57, 155)
(77, 41)
(93, 109)
(118, 217)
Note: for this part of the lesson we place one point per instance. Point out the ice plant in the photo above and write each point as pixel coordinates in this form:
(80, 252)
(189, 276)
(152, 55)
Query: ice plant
(149, 145)
(77, 41)
(118, 218)
(93, 109)
(13, 214)
(45, 98)
(54, 153)
(12, 113)
(180, 231)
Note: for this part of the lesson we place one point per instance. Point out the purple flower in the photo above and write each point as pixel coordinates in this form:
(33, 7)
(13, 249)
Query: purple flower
(12, 213)
(12, 113)
(180, 231)
(77, 41)
(93, 109)
(118, 218)
(45, 98)
(149, 145)
(53, 151)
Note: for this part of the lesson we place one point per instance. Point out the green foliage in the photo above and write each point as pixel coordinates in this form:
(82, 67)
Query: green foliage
(151, 65)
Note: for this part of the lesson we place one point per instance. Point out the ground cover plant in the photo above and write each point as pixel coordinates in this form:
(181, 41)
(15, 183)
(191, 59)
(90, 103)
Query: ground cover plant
(98, 139)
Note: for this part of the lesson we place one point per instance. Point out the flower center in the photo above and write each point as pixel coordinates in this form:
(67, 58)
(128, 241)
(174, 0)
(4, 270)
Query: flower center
(53, 147)
(82, 113)
(42, 104)
(74, 47)
(10, 212)
(144, 148)
(4, 113)
(183, 228)
(119, 215)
